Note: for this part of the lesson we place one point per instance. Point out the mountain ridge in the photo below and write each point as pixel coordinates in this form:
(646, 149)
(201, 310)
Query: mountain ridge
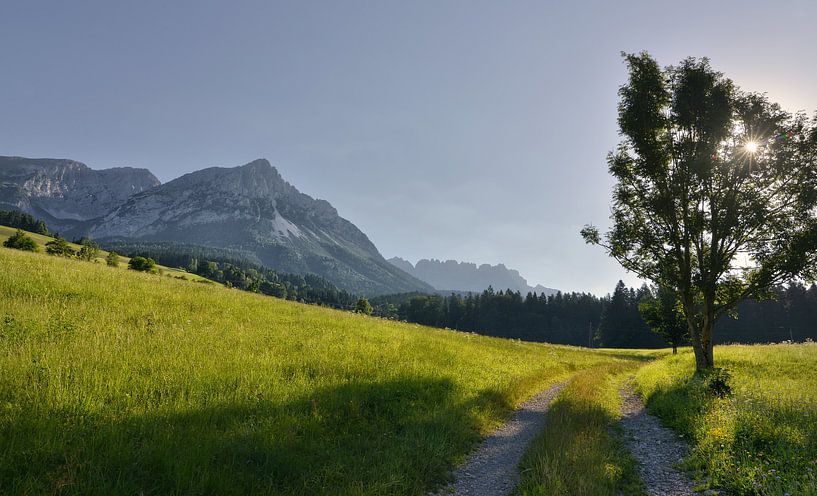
(451, 275)
(64, 192)
(249, 208)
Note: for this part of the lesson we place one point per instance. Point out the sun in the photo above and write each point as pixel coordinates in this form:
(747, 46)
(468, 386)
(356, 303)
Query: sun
(751, 147)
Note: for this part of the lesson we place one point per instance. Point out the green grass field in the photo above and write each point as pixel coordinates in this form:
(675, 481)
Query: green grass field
(117, 382)
(6, 232)
(761, 440)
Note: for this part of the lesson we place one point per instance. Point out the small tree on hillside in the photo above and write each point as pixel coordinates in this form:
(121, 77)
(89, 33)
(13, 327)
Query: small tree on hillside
(88, 251)
(112, 259)
(21, 241)
(716, 191)
(363, 306)
(662, 311)
(58, 246)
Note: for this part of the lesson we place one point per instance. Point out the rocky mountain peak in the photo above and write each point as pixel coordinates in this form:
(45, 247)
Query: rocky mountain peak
(466, 276)
(65, 192)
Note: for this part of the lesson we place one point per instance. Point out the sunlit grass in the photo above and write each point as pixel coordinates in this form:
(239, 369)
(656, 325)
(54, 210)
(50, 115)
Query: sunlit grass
(116, 382)
(763, 439)
(6, 232)
(580, 451)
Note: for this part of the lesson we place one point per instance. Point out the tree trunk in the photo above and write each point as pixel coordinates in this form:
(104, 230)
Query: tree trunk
(674, 350)
(702, 342)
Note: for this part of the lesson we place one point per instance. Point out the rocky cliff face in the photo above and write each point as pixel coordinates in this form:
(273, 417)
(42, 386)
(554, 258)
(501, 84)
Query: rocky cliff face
(65, 193)
(464, 276)
(252, 208)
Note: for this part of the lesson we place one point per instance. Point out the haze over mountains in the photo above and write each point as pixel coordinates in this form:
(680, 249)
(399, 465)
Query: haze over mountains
(250, 208)
(465, 276)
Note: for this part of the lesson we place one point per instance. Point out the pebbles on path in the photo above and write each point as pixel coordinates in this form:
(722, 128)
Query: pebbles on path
(493, 469)
(656, 448)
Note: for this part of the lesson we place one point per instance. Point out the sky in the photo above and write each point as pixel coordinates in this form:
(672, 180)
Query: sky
(468, 130)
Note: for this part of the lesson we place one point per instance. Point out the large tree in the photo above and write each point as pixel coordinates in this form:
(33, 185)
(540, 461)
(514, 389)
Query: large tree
(716, 191)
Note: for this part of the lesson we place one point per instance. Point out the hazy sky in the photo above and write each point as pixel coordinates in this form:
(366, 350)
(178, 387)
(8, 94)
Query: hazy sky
(470, 130)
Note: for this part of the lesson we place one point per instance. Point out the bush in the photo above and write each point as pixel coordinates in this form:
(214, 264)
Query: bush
(112, 259)
(142, 264)
(59, 247)
(363, 306)
(21, 241)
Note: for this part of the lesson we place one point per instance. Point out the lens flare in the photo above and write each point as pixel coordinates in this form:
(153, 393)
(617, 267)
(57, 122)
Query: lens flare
(751, 146)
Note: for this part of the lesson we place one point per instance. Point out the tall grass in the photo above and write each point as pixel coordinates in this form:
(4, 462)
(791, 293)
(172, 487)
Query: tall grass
(116, 382)
(761, 440)
(580, 452)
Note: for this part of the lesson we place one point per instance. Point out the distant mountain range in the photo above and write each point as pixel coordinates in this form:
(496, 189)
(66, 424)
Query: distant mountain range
(464, 276)
(250, 208)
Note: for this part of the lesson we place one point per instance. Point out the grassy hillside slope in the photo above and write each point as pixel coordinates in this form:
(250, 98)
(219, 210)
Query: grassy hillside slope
(6, 232)
(116, 382)
(763, 438)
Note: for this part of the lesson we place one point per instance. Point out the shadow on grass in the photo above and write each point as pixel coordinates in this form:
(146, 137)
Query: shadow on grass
(395, 437)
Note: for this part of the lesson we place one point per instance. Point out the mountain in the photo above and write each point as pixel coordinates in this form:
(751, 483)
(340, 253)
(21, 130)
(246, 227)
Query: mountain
(65, 193)
(253, 209)
(464, 276)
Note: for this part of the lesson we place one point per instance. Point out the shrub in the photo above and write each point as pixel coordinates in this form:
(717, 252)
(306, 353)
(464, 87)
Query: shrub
(88, 251)
(142, 264)
(59, 247)
(20, 241)
(363, 306)
(112, 259)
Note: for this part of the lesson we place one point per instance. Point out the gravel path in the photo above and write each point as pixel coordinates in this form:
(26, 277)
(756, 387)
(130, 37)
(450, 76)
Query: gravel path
(493, 470)
(656, 448)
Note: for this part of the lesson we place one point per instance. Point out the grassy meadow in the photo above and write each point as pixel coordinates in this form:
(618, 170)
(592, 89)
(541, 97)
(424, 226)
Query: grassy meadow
(117, 382)
(762, 439)
(581, 452)
(41, 240)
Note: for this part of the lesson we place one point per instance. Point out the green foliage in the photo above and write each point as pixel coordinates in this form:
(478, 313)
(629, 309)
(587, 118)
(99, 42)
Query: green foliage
(363, 306)
(760, 440)
(691, 195)
(621, 323)
(142, 264)
(112, 259)
(115, 383)
(21, 241)
(59, 247)
(579, 453)
(663, 312)
(88, 250)
(22, 221)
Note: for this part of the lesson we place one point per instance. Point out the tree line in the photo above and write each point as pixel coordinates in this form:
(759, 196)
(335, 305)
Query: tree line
(24, 221)
(620, 319)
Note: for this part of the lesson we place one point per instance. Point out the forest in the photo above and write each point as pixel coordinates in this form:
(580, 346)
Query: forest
(611, 321)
